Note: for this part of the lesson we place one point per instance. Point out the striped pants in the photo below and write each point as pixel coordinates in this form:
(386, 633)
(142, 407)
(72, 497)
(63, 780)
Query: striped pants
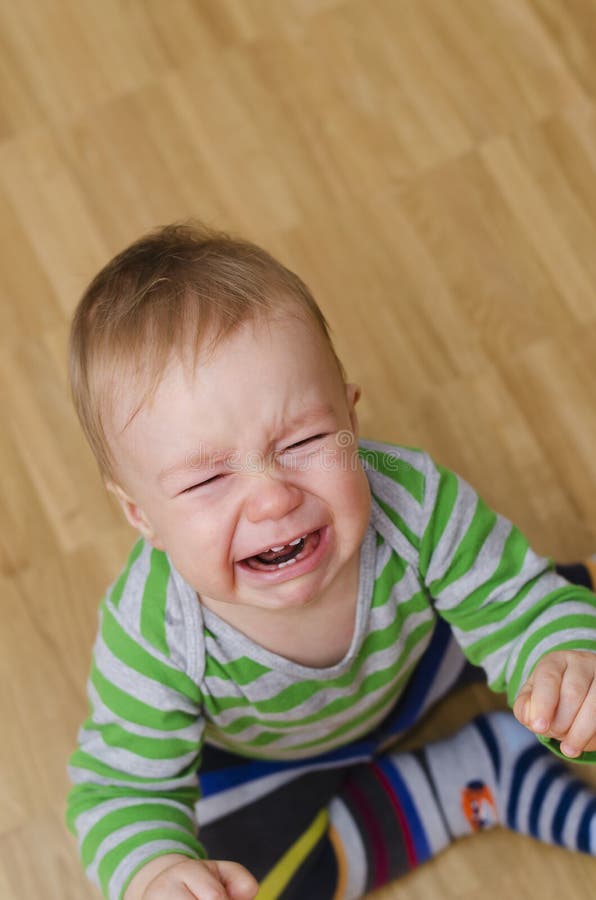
(279, 818)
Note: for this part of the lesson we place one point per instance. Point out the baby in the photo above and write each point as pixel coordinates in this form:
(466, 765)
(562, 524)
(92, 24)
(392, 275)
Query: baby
(296, 601)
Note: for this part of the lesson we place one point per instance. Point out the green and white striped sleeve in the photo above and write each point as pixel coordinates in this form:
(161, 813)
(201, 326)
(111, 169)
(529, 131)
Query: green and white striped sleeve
(506, 605)
(134, 770)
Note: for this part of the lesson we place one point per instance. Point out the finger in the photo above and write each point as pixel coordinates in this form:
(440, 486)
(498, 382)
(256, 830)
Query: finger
(239, 882)
(575, 686)
(175, 892)
(204, 883)
(582, 732)
(545, 694)
(521, 707)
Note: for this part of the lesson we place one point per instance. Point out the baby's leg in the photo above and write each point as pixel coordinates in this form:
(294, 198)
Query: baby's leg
(400, 810)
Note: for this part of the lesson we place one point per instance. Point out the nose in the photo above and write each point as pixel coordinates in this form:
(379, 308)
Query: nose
(271, 498)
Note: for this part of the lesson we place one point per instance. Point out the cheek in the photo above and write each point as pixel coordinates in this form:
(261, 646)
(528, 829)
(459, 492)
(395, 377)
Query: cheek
(359, 498)
(211, 534)
(345, 485)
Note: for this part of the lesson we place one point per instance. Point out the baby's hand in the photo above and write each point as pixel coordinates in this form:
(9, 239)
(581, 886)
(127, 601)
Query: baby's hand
(559, 700)
(174, 877)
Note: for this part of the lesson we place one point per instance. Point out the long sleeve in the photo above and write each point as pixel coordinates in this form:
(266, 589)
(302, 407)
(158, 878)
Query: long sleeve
(506, 605)
(135, 768)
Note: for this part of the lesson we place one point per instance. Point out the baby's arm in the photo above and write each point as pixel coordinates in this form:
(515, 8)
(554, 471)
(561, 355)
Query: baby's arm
(506, 605)
(135, 769)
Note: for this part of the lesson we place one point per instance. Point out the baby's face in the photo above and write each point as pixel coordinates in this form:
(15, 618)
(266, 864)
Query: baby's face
(255, 451)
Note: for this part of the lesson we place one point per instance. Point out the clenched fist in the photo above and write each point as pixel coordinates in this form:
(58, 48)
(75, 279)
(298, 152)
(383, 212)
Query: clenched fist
(559, 700)
(176, 877)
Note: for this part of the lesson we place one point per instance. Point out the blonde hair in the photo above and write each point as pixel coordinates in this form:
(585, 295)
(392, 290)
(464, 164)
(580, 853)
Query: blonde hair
(165, 294)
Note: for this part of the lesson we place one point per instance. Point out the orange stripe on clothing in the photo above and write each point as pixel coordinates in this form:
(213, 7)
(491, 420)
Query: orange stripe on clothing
(342, 863)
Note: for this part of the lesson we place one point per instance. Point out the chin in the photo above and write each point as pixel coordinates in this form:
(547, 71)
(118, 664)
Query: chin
(299, 598)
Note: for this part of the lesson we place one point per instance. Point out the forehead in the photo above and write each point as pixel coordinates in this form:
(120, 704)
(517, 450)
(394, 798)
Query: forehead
(285, 355)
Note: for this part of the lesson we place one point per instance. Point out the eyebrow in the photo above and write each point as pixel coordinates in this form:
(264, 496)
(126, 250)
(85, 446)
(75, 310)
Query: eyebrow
(202, 457)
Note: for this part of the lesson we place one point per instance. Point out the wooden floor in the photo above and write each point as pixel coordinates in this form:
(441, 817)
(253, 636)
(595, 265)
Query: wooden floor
(429, 168)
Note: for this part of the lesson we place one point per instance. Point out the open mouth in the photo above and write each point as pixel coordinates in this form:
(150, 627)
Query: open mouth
(286, 554)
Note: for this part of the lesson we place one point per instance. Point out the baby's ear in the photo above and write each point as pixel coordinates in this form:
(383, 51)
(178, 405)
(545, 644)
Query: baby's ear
(134, 514)
(353, 394)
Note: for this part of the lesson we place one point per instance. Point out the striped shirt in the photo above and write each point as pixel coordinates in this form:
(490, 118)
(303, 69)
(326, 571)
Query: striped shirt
(168, 674)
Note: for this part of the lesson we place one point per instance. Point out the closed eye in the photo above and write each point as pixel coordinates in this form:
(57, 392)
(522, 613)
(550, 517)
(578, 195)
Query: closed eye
(308, 440)
(201, 484)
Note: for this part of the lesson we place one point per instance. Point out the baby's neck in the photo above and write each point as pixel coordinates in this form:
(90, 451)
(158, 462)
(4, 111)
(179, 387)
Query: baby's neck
(318, 635)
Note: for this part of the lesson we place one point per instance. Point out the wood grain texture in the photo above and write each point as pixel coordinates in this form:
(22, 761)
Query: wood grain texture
(429, 168)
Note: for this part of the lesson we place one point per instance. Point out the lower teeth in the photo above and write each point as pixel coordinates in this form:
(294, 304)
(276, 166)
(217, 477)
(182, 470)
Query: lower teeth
(296, 551)
(287, 562)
